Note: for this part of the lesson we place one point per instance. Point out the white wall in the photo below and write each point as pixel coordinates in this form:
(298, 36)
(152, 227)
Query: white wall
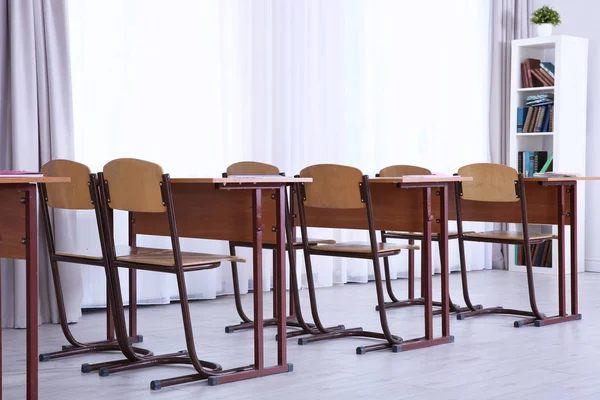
(580, 18)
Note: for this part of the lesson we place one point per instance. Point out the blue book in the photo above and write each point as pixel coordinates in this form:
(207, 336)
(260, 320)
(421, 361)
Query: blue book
(530, 163)
(546, 123)
(548, 67)
(521, 115)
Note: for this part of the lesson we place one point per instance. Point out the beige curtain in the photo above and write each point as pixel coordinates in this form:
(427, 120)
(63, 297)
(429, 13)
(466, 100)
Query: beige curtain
(36, 125)
(510, 20)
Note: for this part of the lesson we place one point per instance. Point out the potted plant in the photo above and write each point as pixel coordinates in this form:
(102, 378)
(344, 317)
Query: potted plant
(545, 18)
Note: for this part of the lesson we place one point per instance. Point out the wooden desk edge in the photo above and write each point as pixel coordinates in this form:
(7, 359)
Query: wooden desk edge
(240, 180)
(434, 179)
(561, 178)
(38, 179)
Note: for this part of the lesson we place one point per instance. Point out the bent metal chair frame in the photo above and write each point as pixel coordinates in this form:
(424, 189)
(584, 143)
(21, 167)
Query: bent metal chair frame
(398, 171)
(493, 183)
(295, 318)
(157, 197)
(157, 200)
(341, 197)
(80, 194)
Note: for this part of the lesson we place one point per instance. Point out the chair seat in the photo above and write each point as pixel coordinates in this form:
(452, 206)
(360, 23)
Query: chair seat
(96, 254)
(165, 258)
(416, 235)
(512, 236)
(364, 247)
(313, 241)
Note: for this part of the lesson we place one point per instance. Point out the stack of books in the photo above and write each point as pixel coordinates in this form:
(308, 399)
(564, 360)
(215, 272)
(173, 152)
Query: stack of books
(537, 115)
(533, 162)
(535, 73)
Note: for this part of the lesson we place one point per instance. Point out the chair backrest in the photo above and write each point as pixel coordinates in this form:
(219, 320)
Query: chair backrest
(401, 170)
(491, 182)
(333, 186)
(134, 185)
(252, 168)
(74, 195)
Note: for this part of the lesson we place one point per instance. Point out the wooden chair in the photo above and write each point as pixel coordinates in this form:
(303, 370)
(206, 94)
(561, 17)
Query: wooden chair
(295, 319)
(395, 171)
(139, 186)
(497, 183)
(343, 191)
(80, 194)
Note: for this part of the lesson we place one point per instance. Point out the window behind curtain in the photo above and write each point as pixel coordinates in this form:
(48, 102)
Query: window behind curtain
(196, 85)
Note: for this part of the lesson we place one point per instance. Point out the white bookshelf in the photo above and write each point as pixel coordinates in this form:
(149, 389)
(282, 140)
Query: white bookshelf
(567, 142)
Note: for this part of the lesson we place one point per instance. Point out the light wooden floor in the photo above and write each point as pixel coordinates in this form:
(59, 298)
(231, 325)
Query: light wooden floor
(488, 360)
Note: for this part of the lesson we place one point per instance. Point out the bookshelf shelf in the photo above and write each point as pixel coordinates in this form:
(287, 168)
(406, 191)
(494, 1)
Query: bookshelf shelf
(536, 89)
(565, 60)
(529, 134)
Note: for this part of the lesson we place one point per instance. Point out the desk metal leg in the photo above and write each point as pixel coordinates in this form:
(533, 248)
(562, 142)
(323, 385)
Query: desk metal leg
(31, 244)
(562, 300)
(443, 241)
(258, 277)
(426, 280)
(258, 367)
(574, 261)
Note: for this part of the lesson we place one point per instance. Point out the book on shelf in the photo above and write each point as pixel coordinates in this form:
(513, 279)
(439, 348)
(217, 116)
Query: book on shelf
(535, 73)
(17, 174)
(532, 162)
(536, 118)
(541, 254)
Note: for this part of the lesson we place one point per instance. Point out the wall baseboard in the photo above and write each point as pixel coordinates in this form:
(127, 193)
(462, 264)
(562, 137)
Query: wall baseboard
(592, 265)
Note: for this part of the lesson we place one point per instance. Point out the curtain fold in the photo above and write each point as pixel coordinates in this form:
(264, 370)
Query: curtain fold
(200, 85)
(35, 127)
(509, 21)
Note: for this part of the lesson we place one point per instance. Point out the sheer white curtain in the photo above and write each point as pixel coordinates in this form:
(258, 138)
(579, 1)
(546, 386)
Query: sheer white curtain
(196, 86)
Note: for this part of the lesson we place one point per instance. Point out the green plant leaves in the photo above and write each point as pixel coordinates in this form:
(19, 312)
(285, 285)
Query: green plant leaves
(545, 15)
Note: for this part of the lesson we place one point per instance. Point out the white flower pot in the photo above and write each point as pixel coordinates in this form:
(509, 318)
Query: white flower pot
(544, 30)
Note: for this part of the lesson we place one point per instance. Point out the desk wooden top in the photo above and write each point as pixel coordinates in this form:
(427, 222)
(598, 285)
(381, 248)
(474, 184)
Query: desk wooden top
(561, 178)
(33, 179)
(242, 179)
(421, 179)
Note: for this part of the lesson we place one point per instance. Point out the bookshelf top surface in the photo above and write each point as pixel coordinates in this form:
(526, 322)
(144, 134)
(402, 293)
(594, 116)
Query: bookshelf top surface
(545, 42)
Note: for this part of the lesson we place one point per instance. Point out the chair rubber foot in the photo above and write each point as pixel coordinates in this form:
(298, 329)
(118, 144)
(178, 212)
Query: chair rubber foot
(229, 329)
(276, 337)
(579, 317)
(520, 324)
(376, 308)
(302, 341)
(460, 317)
(155, 385)
(537, 323)
(67, 347)
(290, 367)
(360, 351)
(342, 327)
(85, 368)
(396, 348)
(479, 307)
(43, 357)
(213, 380)
(140, 339)
(451, 338)
(104, 372)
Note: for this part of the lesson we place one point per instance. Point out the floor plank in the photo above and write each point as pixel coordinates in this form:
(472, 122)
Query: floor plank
(490, 359)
